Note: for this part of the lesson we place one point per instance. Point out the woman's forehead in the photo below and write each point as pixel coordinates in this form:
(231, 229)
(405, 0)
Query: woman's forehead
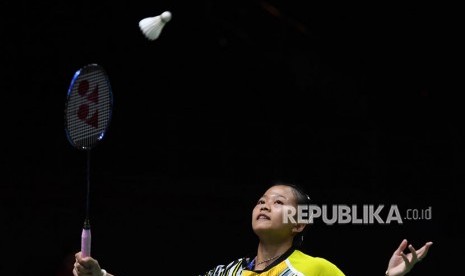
(280, 191)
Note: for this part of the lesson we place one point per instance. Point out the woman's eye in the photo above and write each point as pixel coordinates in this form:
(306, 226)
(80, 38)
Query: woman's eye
(278, 202)
(260, 202)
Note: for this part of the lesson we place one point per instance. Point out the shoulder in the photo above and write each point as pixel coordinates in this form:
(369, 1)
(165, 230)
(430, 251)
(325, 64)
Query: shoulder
(309, 265)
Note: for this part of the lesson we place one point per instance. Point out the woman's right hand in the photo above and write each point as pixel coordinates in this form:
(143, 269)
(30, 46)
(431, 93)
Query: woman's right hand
(87, 266)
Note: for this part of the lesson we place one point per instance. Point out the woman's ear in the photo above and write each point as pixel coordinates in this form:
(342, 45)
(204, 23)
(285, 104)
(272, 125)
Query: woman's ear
(299, 227)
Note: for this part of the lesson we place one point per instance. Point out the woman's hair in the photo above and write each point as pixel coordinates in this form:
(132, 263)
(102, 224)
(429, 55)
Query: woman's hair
(302, 198)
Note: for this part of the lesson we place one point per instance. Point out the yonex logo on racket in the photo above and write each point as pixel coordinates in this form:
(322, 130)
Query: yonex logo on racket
(84, 108)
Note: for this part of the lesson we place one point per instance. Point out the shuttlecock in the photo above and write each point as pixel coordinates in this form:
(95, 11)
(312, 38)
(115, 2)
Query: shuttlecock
(151, 27)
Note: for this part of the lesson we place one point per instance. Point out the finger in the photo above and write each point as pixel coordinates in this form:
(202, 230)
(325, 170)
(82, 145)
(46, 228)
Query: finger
(87, 262)
(81, 272)
(401, 247)
(414, 254)
(82, 260)
(424, 250)
(81, 269)
(406, 261)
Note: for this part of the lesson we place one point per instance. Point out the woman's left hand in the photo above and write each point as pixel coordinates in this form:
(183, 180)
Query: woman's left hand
(401, 263)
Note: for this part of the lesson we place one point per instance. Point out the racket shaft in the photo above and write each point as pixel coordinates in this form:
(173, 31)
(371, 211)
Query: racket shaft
(85, 242)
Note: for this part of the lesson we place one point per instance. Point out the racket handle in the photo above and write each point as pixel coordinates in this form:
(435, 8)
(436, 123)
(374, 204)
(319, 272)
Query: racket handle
(86, 240)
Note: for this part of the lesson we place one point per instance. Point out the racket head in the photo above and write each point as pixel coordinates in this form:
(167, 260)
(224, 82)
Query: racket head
(88, 107)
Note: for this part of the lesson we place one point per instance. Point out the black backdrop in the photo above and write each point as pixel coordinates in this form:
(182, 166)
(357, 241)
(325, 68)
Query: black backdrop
(350, 101)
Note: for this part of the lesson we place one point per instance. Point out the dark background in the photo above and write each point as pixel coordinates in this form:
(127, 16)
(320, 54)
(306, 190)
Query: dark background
(353, 102)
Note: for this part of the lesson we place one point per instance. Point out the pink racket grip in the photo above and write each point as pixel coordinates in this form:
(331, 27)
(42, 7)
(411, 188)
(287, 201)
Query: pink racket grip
(85, 242)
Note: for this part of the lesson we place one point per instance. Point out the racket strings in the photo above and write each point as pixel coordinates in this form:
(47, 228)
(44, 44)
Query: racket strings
(88, 108)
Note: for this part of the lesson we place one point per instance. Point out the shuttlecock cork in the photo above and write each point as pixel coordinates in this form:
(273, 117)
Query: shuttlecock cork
(151, 27)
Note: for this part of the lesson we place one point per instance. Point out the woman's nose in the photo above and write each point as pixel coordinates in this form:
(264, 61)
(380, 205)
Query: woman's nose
(264, 207)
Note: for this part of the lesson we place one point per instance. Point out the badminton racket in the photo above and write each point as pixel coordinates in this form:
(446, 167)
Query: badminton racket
(88, 111)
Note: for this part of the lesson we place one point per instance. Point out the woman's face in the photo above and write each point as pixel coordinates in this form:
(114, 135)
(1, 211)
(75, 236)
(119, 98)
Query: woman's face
(268, 216)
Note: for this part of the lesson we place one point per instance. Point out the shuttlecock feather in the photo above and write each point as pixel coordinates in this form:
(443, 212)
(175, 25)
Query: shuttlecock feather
(151, 27)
